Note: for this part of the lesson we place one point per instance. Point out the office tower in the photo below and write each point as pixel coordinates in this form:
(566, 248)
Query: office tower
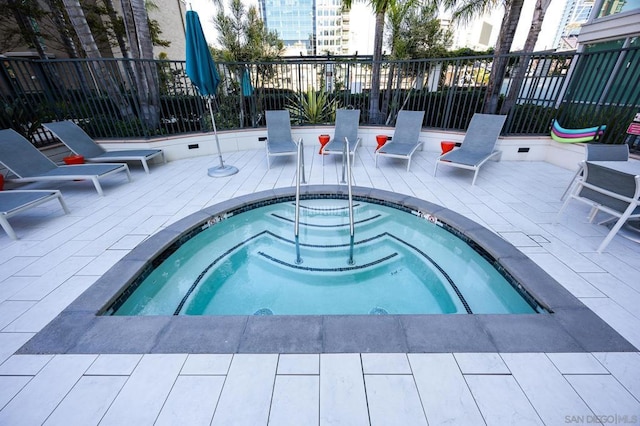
(316, 26)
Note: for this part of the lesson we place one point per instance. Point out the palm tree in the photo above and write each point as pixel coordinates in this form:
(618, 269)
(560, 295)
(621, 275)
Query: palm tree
(87, 42)
(136, 23)
(471, 8)
(503, 46)
(518, 74)
(117, 23)
(380, 9)
(60, 22)
(79, 23)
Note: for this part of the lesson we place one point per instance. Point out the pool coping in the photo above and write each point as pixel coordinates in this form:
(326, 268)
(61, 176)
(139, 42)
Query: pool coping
(571, 327)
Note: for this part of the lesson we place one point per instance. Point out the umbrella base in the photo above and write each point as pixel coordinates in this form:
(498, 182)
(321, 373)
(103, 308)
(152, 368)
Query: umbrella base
(222, 171)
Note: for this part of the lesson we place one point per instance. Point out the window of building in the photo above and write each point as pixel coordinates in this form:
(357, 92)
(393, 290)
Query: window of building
(611, 7)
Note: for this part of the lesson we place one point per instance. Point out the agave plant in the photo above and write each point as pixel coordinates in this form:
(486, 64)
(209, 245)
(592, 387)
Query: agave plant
(313, 107)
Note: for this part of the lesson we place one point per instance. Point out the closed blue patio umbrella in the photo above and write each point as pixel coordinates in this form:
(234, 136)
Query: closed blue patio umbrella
(247, 89)
(204, 75)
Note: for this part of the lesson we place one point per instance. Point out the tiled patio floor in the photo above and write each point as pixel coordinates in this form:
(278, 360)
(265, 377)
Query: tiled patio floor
(59, 256)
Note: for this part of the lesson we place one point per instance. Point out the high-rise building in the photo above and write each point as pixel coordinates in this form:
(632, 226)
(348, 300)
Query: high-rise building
(319, 25)
(332, 28)
(294, 20)
(576, 13)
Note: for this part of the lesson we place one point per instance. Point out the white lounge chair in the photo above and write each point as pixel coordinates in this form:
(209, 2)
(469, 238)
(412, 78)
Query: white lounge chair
(612, 187)
(279, 140)
(478, 145)
(81, 143)
(347, 122)
(17, 201)
(405, 140)
(30, 165)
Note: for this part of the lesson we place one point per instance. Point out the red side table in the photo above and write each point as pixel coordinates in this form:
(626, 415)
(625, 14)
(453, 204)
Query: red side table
(73, 159)
(447, 146)
(381, 139)
(324, 139)
(1, 181)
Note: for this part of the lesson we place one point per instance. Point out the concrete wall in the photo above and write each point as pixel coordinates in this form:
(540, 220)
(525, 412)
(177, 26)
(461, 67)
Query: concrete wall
(532, 148)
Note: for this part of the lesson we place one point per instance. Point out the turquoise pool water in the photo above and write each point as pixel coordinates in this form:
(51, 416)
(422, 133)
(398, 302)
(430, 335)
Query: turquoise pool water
(245, 264)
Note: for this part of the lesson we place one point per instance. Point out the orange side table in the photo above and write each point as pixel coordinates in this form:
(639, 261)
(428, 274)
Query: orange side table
(324, 139)
(381, 139)
(73, 159)
(447, 146)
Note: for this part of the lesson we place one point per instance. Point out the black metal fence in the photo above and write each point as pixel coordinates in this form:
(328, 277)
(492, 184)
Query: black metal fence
(123, 98)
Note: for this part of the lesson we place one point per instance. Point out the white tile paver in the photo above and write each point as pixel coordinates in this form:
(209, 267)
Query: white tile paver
(40, 287)
(128, 242)
(54, 259)
(547, 390)
(33, 404)
(394, 400)
(617, 317)
(623, 294)
(11, 342)
(577, 363)
(207, 364)
(24, 365)
(48, 308)
(192, 401)
(296, 401)
(570, 279)
(12, 309)
(625, 367)
(13, 285)
(299, 364)
(443, 390)
(17, 264)
(385, 364)
(114, 365)
(10, 386)
(501, 400)
(87, 402)
(246, 395)
(606, 397)
(342, 392)
(142, 397)
(481, 363)
(102, 263)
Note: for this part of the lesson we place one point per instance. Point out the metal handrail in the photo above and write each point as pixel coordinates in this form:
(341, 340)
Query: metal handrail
(346, 154)
(296, 226)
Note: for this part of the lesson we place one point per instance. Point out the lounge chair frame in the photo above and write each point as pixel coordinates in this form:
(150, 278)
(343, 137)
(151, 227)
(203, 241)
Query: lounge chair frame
(280, 142)
(406, 137)
(16, 201)
(478, 145)
(80, 143)
(598, 152)
(28, 164)
(610, 191)
(346, 128)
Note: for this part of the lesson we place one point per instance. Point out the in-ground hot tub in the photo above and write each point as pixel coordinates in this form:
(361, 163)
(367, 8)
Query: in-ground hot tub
(565, 324)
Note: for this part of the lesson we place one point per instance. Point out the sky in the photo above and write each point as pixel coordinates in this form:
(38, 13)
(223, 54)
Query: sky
(362, 24)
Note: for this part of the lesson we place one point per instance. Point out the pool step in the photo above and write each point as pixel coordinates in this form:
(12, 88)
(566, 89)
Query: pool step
(330, 258)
